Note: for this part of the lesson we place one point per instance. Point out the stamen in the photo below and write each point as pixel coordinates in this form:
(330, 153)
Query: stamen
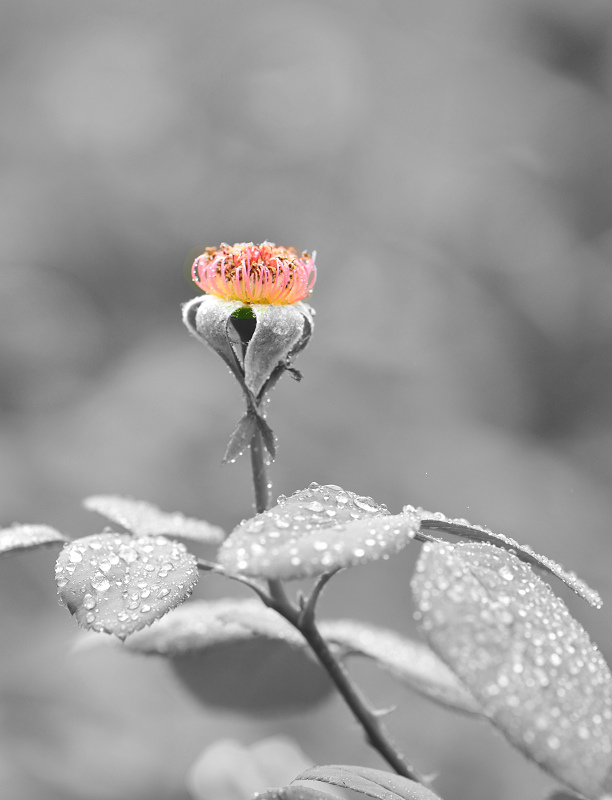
(263, 274)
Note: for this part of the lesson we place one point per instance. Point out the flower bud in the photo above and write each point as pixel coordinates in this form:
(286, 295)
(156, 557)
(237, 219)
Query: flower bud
(270, 281)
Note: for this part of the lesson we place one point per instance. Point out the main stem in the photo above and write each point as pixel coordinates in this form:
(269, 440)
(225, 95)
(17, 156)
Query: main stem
(375, 731)
(261, 482)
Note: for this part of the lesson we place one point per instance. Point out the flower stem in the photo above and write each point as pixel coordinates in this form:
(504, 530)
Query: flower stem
(261, 483)
(375, 731)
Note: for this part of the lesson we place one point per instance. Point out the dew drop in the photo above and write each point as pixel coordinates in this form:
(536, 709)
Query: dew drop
(365, 504)
(128, 554)
(100, 583)
(89, 602)
(75, 556)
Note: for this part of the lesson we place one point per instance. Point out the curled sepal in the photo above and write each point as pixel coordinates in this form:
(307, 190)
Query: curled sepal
(315, 531)
(118, 584)
(411, 662)
(207, 319)
(530, 665)
(461, 527)
(370, 782)
(28, 537)
(277, 332)
(145, 519)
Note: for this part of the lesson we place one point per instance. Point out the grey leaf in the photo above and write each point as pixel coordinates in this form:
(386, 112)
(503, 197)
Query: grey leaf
(313, 532)
(371, 782)
(530, 665)
(145, 519)
(461, 527)
(118, 584)
(28, 537)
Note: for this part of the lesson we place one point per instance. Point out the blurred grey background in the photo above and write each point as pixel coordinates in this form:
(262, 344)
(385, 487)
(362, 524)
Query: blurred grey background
(451, 162)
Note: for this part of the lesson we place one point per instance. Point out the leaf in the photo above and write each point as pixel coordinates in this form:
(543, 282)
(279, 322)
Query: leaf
(114, 583)
(532, 667)
(461, 527)
(203, 624)
(238, 655)
(28, 537)
(411, 662)
(241, 437)
(315, 531)
(145, 519)
(371, 782)
(294, 793)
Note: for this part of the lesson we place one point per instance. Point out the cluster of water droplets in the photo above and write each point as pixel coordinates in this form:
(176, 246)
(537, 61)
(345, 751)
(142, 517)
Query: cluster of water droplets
(118, 584)
(22, 537)
(313, 531)
(461, 527)
(531, 666)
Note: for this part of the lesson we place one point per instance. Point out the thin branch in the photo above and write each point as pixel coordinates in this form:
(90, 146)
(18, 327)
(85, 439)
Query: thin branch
(369, 719)
(217, 569)
(303, 619)
(308, 606)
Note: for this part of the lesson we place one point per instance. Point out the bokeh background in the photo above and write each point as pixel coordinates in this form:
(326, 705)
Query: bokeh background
(451, 162)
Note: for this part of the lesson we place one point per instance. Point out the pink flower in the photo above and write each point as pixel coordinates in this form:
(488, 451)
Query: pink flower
(263, 274)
